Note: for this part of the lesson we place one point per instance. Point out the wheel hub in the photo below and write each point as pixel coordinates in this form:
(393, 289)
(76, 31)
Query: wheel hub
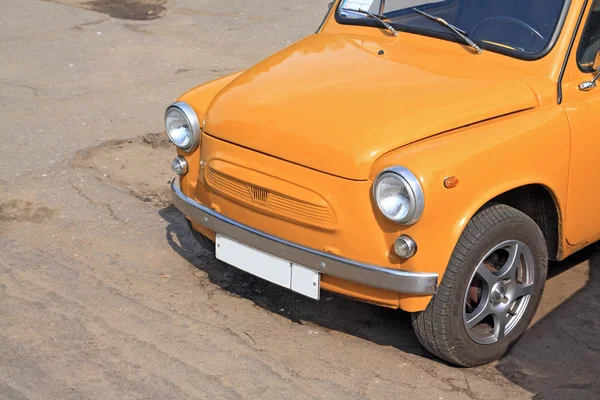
(498, 292)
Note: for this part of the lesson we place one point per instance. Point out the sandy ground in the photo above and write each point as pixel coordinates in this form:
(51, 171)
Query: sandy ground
(105, 295)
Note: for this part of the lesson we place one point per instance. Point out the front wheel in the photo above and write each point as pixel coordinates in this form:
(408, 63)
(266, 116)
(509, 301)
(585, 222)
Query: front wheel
(205, 242)
(490, 291)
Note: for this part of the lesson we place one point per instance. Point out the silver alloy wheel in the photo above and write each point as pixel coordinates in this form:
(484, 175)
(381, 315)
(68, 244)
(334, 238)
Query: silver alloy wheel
(499, 292)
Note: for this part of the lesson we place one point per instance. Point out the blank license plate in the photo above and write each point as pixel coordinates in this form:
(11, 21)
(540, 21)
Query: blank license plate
(273, 269)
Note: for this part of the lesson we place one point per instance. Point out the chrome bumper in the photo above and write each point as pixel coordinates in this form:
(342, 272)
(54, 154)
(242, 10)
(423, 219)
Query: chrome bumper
(328, 264)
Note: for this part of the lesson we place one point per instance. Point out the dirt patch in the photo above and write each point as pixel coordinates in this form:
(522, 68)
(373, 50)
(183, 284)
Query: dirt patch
(24, 211)
(137, 10)
(141, 165)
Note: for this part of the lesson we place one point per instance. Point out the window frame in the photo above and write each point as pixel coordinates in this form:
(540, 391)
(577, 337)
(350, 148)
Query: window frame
(452, 38)
(587, 22)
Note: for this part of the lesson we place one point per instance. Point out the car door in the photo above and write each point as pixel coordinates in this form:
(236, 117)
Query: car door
(582, 106)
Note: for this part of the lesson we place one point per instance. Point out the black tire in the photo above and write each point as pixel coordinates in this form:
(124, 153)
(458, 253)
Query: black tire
(205, 242)
(441, 328)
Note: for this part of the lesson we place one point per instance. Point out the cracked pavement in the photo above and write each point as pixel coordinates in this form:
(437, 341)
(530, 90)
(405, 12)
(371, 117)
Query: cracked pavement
(103, 292)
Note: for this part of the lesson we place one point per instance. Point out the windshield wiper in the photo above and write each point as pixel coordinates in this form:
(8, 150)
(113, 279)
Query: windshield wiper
(376, 17)
(460, 32)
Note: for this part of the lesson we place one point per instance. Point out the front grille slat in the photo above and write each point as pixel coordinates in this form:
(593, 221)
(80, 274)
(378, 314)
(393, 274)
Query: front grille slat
(241, 192)
(279, 203)
(298, 211)
(229, 186)
(300, 206)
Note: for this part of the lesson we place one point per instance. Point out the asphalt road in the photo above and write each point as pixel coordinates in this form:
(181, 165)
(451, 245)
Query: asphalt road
(105, 295)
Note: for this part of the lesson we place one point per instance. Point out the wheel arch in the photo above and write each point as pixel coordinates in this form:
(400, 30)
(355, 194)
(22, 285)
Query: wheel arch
(538, 202)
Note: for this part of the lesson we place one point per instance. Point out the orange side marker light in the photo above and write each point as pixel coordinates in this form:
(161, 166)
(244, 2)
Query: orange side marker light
(450, 182)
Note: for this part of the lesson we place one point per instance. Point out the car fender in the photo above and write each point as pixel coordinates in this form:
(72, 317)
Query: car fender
(489, 158)
(200, 99)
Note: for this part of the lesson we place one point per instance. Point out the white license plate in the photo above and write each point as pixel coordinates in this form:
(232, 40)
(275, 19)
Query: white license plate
(273, 269)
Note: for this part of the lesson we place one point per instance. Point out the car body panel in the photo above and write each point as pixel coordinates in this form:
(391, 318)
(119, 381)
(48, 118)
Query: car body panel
(496, 148)
(200, 98)
(374, 107)
(583, 111)
(344, 195)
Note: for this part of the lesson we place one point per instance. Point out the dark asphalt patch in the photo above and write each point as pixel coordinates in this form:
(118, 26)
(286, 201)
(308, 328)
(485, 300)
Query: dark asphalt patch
(138, 10)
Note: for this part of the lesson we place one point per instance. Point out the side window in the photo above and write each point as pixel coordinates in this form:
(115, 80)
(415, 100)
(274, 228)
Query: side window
(590, 40)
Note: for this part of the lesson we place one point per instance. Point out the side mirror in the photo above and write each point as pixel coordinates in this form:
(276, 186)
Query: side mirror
(589, 85)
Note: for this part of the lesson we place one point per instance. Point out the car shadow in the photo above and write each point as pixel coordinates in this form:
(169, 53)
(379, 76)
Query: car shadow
(380, 325)
(557, 358)
(559, 355)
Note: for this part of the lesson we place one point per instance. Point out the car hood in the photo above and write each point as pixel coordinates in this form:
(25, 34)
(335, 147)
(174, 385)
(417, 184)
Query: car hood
(336, 104)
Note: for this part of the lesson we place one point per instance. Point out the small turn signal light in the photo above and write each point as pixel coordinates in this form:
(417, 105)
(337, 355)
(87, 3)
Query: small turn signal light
(179, 166)
(450, 182)
(405, 247)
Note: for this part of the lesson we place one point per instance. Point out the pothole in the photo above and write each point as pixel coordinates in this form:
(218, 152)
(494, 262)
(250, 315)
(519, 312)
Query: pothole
(137, 10)
(141, 165)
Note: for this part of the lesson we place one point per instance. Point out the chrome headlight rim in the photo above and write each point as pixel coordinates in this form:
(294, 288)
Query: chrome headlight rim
(415, 194)
(193, 122)
(180, 166)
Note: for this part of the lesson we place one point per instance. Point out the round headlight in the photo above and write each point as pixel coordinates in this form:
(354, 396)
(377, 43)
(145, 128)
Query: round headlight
(399, 195)
(182, 126)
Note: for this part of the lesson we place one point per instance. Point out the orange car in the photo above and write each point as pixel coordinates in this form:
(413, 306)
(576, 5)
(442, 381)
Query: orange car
(427, 155)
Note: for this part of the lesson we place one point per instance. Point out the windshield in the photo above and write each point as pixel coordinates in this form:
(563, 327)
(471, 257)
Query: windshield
(521, 28)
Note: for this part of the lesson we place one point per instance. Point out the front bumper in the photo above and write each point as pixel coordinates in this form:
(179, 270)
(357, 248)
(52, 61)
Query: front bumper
(378, 277)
